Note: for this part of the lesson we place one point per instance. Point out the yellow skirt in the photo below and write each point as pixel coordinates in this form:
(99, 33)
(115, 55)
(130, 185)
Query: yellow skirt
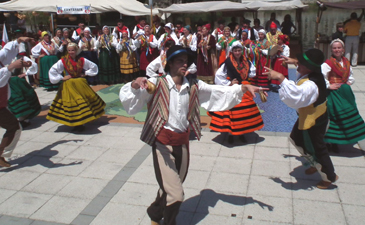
(75, 103)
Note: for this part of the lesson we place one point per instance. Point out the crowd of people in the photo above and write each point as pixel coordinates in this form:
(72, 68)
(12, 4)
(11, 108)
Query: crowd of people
(172, 69)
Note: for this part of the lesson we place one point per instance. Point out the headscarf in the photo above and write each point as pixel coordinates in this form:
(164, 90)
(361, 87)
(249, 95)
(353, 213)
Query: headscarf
(262, 31)
(104, 27)
(273, 25)
(337, 40)
(44, 33)
(245, 30)
(207, 26)
(188, 28)
(65, 29)
(87, 29)
(236, 44)
(284, 38)
(169, 25)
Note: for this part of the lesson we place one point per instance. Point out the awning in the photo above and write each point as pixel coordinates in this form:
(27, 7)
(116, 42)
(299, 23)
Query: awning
(203, 7)
(275, 5)
(125, 7)
(346, 5)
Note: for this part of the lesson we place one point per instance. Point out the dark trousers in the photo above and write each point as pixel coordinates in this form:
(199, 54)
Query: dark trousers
(315, 142)
(9, 122)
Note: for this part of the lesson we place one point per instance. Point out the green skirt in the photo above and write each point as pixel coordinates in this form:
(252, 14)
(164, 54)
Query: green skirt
(346, 124)
(109, 66)
(76, 103)
(23, 102)
(45, 64)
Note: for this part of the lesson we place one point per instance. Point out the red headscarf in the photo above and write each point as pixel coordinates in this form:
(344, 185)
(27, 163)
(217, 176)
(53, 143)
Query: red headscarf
(207, 26)
(284, 38)
(273, 26)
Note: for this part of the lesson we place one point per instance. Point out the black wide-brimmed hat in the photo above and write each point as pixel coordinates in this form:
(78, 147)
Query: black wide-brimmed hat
(312, 59)
(177, 50)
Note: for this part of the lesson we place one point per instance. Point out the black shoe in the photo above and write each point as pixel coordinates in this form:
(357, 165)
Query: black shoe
(230, 139)
(24, 124)
(335, 148)
(242, 138)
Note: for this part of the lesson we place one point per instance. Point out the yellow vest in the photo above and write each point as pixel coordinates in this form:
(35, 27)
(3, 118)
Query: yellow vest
(309, 114)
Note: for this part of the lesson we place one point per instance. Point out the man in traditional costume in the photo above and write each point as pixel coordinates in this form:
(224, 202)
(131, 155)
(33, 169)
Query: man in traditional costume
(308, 96)
(173, 106)
(138, 29)
(219, 31)
(273, 35)
(119, 29)
(77, 33)
(7, 120)
(169, 34)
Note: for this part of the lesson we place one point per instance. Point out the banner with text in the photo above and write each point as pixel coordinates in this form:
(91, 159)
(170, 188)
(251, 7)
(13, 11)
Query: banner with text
(74, 10)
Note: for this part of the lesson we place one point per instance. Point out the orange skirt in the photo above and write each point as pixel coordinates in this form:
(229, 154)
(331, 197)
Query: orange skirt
(241, 119)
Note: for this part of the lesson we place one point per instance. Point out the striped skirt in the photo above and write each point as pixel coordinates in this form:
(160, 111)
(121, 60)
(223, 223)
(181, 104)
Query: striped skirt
(128, 66)
(241, 119)
(75, 104)
(346, 124)
(23, 102)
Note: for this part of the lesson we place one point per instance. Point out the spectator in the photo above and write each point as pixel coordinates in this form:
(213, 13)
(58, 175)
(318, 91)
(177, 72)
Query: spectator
(287, 25)
(352, 30)
(339, 32)
(272, 19)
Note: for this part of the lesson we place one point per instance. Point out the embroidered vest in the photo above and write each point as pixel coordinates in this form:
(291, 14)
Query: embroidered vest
(4, 96)
(158, 111)
(309, 116)
(339, 74)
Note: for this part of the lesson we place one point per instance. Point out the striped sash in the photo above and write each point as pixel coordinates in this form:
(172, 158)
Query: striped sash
(158, 112)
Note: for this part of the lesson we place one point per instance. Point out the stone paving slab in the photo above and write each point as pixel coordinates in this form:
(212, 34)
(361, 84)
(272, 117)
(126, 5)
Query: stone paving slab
(105, 176)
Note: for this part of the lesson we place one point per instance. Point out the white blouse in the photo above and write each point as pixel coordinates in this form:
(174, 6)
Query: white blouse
(92, 43)
(192, 44)
(298, 96)
(172, 35)
(120, 47)
(153, 43)
(36, 50)
(211, 97)
(326, 69)
(221, 75)
(55, 73)
(33, 69)
(7, 53)
(113, 43)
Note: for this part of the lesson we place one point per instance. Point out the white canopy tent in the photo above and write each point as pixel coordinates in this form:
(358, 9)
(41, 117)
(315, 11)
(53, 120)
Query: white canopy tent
(275, 5)
(125, 7)
(203, 7)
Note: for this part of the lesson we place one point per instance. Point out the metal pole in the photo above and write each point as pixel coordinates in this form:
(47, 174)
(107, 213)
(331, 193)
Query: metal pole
(52, 26)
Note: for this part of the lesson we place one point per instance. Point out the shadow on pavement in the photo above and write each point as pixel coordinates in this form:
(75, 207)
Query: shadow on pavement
(45, 154)
(209, 198)
(251, 138)
(36, 122)
(348, 151)
(303, 181)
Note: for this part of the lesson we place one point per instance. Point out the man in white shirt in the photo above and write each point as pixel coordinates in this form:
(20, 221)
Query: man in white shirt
(308, 95)
(76, 34)
(173, 102)
(7, 120)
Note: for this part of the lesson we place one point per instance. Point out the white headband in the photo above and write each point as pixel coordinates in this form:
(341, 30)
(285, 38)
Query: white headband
(236, 44)
(337, 40)
(87, 29)
(262, 31)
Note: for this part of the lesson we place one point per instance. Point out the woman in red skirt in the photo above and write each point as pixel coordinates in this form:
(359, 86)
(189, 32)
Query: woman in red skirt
(278, 65)
(244, 117)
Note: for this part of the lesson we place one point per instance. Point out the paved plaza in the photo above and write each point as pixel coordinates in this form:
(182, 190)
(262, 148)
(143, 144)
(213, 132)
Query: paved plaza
(105, 176)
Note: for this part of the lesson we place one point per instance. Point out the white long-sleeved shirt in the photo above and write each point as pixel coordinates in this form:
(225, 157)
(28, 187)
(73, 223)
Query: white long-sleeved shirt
(36, 50)
(153, 43)
(55, 73)
(211, 97)
(92, 43)
(120, 47)
(156, 65)
(115, 33)
(75, 36)
(326, 69)
(221, 75)
(7, 54)
(298, 96)
(113, 43)
(33, 69)
(172, 35)
(192, 44)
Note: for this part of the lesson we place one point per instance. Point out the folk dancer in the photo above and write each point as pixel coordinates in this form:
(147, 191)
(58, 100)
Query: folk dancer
(245, 117)
(119, 29)
(46, 53)
(169, 34)
(89, 51)
(346, 125)
(129, 68)
(261, 59)
(273, 35)
(173, 106)
(224, 45)
(65, 109)
(109, 61)
(308, 96)
(147, 44)
(76, 35)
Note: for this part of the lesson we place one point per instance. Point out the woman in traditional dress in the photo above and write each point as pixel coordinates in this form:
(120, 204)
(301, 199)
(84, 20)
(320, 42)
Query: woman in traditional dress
(65, 39)
(23, 102)
(46, 52)
(206, 61)
(188, 40)
(57, 41)
(128, 60)
(346, 125)
(147, 44)
(262, 59)
(278, 65)
(109, 65)
(75, 103)
(224, 45)
(89, 51)
(244, 117)
(244, 39)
